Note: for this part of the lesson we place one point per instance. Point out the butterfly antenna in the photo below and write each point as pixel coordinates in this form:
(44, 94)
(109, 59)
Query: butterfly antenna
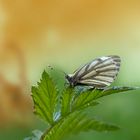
(62, 72)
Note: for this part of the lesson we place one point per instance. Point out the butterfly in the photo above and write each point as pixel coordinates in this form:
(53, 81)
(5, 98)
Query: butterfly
(98, 73)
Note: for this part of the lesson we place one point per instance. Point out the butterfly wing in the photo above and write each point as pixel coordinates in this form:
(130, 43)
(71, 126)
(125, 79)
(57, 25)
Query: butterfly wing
(99, 73)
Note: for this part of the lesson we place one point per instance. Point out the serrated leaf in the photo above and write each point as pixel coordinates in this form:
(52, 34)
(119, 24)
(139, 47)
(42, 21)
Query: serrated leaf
(66, 100)
(58, 77)
(88, 97)
(65, 112)
(76, 123)
(114, 90)
(85, 99)
(45, 98)
(86, 105)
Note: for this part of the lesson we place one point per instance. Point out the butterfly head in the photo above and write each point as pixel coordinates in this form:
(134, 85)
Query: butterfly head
(70, 79)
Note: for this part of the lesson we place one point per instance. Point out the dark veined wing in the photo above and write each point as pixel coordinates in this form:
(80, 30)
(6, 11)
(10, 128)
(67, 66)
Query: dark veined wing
(99, 73)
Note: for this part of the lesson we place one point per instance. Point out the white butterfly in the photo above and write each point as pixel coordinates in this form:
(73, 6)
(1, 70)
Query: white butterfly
(98, 73)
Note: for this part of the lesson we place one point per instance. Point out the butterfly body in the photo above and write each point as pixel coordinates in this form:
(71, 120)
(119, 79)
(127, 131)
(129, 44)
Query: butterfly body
(98, 73)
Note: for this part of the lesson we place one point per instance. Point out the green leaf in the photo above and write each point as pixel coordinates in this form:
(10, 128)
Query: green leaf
(87, 98)
(114, 90)
(65, 112)
(66, 101)
(87, 105)
(76, 123)
(58, 77)
(45, 98)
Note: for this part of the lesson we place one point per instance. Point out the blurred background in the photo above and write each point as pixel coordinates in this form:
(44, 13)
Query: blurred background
(67, 34)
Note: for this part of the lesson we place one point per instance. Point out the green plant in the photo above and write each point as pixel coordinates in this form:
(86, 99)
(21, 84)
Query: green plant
(65, 110)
